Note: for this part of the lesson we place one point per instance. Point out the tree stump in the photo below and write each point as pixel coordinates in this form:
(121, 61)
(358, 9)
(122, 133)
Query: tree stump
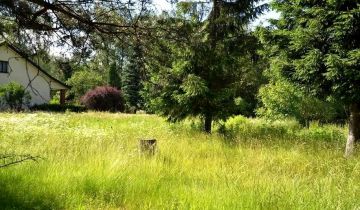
(147, 146)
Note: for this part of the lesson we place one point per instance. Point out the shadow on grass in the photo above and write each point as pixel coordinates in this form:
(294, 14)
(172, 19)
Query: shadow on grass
(15, 194)
(58, 108)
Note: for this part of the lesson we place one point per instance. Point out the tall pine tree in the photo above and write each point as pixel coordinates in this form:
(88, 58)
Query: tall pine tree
(316, 44)
(132, 80)
(199, 73)
(114, 79)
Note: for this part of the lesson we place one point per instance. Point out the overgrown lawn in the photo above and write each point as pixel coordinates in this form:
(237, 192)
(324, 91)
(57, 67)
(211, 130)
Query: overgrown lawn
(91, 161)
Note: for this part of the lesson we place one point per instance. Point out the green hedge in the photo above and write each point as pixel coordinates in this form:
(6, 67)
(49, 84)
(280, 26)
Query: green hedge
(58, 108)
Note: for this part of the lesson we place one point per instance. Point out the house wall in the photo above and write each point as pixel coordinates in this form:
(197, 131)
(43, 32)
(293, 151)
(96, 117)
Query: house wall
(24, 73)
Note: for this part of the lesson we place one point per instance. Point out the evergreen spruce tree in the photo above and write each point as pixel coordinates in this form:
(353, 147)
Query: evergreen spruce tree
(316, 44)
(131, 80)
(200, 74)
(114, 79)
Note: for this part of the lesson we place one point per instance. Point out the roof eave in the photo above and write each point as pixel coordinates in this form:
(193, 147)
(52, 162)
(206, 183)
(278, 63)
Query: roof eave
(34, 64)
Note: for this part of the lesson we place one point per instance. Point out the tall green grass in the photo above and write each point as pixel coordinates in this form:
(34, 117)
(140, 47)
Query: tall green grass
(91, 161)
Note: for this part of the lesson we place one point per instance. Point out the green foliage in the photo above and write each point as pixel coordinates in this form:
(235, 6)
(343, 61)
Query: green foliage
(14, 96)
(55, 98)
(282, 100)
(316, 45)
(131, 80)
(66, 66)
(240, 128)
(202, 75)
(84, 80)
(194, 86)
(244, 128)
(114, 79)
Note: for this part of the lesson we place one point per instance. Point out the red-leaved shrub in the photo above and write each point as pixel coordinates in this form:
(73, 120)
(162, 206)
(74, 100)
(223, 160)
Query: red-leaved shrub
(104, 98)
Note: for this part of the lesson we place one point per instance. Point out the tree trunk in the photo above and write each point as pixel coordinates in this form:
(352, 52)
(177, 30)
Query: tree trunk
(354, 129)
(62, 97)
(208, 121)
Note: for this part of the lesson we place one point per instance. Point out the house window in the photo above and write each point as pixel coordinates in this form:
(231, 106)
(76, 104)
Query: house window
(4, 66)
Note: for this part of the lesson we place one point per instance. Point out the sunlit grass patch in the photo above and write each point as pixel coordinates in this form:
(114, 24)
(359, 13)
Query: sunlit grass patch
(91, 161)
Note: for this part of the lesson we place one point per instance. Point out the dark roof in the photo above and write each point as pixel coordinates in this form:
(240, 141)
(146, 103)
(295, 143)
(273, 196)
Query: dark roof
(24, 55)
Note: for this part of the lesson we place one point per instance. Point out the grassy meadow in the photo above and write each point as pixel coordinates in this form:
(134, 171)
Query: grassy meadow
(91, 161)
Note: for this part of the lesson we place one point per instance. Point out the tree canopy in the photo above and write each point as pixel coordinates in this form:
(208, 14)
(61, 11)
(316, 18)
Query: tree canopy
(78, 25)
(316, 44)
(203, 74)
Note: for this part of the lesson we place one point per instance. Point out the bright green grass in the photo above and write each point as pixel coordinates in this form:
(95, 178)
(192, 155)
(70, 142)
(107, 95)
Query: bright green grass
(91, 161)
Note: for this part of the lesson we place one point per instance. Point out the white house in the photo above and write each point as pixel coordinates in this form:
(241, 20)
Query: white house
(16, 66)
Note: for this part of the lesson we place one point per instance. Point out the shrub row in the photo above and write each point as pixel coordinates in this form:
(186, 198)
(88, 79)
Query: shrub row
(58, 108)
(103, 98)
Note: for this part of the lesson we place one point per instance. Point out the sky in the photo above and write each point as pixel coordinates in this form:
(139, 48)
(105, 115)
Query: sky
(162, 5)
(262, 20)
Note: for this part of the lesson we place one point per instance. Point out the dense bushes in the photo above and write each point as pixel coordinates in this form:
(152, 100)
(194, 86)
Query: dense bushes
(14, 96)
(104, 98)
(283, 100)
(242, 128)
(58, 108)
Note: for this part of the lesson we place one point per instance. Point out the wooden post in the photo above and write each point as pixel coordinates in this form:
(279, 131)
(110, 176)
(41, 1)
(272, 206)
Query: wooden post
(62, 96)
(147, 146)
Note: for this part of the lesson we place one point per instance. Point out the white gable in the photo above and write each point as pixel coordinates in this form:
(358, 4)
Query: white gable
(22, 71)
